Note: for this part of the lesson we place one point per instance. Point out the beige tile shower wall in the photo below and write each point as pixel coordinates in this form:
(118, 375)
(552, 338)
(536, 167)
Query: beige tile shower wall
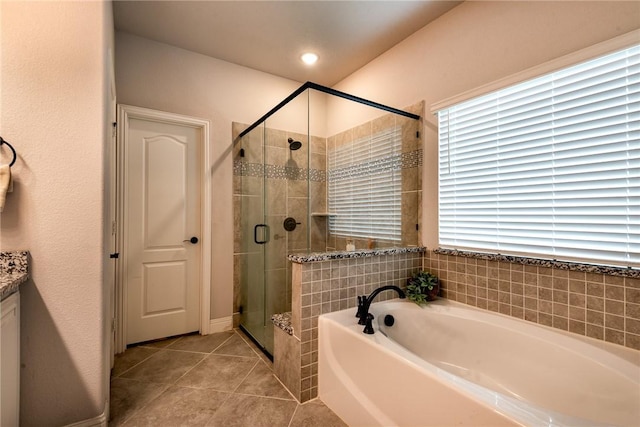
(328, 286)
(599, 306)
(411, 175)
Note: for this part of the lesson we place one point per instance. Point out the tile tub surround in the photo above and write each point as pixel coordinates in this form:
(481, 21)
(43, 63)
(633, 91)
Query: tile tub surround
(323, 283)
(594, 301)
(14, 270)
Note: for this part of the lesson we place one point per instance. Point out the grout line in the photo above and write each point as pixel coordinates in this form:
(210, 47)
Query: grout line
(294, 414)
(267, 397)
(221, 344)
(139, 410)
(127, 370)
(245, 377)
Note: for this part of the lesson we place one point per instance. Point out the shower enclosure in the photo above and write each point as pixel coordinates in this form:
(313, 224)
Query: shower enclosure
(318, 171)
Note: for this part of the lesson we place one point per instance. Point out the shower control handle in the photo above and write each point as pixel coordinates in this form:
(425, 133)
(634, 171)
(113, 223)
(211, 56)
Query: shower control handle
(290, 224)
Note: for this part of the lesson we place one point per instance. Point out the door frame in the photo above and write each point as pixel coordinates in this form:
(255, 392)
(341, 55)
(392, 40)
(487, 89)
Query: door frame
(125, 114)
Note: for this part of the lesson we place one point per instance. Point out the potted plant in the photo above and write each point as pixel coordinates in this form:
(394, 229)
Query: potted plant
(422, 287)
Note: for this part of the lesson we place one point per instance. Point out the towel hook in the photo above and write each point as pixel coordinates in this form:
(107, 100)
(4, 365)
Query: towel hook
(2, 141)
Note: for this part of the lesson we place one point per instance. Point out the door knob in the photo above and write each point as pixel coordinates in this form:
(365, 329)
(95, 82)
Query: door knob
(193, 240)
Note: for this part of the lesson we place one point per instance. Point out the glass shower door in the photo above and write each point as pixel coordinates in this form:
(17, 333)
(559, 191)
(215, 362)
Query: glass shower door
(274, 215)
(254, 235)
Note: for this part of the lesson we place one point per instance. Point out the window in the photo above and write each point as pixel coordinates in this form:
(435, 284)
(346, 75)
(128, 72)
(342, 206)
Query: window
(547, 167)
(365, 187)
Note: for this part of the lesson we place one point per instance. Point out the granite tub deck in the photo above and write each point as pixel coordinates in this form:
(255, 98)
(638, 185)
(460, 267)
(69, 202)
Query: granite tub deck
(13, 271)
(323, 283)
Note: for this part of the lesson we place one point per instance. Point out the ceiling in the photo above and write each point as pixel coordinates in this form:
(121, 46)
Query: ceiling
(270, 36)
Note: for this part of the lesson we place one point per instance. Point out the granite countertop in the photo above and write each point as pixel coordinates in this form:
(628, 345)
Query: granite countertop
(358, 253)
(283, 321)
(13, 271)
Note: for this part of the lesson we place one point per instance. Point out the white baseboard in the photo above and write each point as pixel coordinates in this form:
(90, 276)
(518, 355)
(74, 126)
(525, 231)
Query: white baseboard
(221, 324)
(97, 421)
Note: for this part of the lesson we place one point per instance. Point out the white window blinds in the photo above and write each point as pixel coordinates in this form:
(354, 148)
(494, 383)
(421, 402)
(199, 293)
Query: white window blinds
(365, 187)
(548, 167)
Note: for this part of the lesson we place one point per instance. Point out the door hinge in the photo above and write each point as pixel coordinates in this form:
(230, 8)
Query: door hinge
(114, 227)
(113, 324)
(113, 129)
(115, 255)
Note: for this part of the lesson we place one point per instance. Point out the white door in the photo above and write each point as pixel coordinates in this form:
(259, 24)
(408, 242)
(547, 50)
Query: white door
(162, 213)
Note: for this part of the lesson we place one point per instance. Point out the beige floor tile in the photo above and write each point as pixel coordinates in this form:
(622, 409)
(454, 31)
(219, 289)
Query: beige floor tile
(254, 347)
(316, 414)
(162, 342)
(180, 406)
(253, 411)
(230, 387)
(263, 382)
(129, 396)
(219, 372)
(166, 366)
(130, 358)
(236, 346)
(201, 343)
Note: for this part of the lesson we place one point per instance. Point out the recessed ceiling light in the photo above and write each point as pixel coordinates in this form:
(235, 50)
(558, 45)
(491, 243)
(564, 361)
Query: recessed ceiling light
(309, 58)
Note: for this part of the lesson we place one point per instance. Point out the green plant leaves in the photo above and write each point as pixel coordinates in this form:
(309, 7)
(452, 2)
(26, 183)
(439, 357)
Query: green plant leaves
(420, 287)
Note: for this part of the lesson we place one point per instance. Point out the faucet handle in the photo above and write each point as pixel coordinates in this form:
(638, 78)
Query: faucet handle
(361, 299)
(368, 328)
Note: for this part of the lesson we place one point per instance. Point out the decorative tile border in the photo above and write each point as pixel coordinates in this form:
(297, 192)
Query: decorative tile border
(408, 160)
(241, 168)
(540, 262)
(411, 159)
(361, 253)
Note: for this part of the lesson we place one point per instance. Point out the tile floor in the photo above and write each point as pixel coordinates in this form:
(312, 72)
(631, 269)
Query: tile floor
(215, 380)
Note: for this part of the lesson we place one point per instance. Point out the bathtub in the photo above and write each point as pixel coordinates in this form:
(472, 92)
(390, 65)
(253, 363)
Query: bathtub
(451, 364)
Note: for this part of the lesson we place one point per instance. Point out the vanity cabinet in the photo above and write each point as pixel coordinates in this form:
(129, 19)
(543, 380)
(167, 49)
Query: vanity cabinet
(10, 361)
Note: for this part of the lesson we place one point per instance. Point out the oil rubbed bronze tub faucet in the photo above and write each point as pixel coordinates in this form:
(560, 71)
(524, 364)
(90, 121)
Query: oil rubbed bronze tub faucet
(364, 303)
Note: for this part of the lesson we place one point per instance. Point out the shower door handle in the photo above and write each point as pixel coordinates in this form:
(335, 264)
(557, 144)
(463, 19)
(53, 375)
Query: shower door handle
(265, 234)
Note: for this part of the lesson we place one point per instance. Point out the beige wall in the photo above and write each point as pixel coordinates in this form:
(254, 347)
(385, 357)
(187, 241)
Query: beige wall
(53, 111)
(474, 44)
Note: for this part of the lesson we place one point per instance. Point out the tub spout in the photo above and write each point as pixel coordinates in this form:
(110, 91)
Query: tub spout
(364, 312)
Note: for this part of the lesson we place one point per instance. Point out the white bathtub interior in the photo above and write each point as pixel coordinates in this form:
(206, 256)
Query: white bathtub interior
(512, 370)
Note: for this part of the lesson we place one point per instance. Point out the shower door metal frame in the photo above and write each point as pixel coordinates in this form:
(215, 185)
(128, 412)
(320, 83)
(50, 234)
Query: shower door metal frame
(330, 91)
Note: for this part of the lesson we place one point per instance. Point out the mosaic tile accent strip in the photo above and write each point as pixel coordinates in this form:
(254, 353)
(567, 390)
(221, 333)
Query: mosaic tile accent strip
(361, 253)
(411, 159)
(562, 265)
(241, 168)
(283, 321)
(14, 270)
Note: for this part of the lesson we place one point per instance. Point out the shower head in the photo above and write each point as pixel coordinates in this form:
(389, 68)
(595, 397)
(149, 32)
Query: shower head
(294, 145)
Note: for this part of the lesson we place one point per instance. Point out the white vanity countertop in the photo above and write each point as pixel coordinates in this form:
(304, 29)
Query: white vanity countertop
(13, 271)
